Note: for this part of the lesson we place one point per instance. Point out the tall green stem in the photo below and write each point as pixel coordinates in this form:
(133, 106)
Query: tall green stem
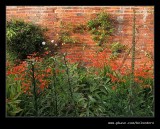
(34, 90)
(55, 91)
(69, 84)
(132, 64)
(133, 50)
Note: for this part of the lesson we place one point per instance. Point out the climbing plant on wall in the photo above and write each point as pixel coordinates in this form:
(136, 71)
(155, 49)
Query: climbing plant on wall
(117, 48)
(101, 27)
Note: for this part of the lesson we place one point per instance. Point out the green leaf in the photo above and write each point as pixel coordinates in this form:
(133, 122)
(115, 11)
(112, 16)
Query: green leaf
(91, 98)
(85, 105)
(108, 79)
(96, 95)
(14, 102)
(16, 111)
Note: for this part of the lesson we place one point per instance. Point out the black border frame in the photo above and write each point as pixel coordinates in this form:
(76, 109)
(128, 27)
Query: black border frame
(78, 122)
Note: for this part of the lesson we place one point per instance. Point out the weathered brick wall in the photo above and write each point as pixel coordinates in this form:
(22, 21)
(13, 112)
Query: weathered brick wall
(51, 16)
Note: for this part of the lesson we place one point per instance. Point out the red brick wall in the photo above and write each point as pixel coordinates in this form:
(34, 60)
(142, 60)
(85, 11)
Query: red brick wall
(51, 16)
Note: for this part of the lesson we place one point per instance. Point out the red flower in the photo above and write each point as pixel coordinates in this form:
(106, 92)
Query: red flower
(138, 80)
(48, 70)
(113, 78)
(9, 72)
(46, 52)
(16, 79)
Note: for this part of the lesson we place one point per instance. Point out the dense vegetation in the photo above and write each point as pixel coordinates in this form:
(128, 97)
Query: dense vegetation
(50, 85)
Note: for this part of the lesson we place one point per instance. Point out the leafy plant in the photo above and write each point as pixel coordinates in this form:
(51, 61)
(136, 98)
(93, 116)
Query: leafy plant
(23, 38)
(65, 34)
(13, 91)
(116, 49)
(65, 89)
(64, 38)
(101, 27)
(11, 58)
(80, 28)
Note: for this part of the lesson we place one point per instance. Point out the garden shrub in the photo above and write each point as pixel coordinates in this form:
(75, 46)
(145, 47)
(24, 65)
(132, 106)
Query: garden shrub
(23, 38)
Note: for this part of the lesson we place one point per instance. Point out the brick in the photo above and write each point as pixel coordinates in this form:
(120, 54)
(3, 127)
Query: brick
(74, 10)
(80, 14)
(50, 16)
(11, 7)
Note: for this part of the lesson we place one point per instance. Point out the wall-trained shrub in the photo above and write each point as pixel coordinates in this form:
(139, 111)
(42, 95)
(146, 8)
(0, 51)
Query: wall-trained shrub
(101, 27)
(23, 38)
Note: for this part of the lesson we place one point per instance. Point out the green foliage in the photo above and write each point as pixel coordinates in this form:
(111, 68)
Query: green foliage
(116, 49)
(11, 57)
(101, 28)
(80, 28)
(65, 38)
(23, 38)
(92, 94)
(13, 91)
(65, 34)
(80, 92)
(13, 88)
